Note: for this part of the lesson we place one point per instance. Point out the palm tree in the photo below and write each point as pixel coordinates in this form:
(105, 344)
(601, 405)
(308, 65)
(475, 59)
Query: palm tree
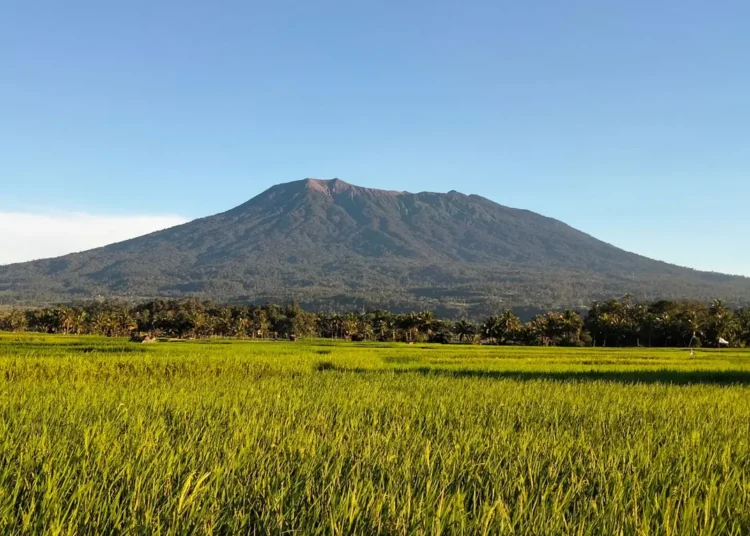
(693, 324)
(383, 325)
(555, 328)
(105, 323)
(533, 331)
(260, 323)
(743, 326)
(721, 324)
(572, 326)
(240, 326)
(409, 324)
(221, 321)
(350, 326)
(17, 320)
(426, 322)
(489, 329)
(465, 330)
(508, 328)
(503, 329)
(365, 329)
(66, 319)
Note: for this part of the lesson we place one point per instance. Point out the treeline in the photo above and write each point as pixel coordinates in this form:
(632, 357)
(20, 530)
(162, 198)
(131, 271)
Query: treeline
(620, 322)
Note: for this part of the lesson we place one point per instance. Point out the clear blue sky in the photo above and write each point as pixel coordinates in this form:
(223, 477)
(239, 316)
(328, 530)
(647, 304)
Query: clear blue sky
(629, 120)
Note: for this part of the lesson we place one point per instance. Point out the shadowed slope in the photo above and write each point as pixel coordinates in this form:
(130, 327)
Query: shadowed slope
(330, 242)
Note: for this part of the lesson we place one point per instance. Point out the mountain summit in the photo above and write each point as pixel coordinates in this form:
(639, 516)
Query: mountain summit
(330, 244)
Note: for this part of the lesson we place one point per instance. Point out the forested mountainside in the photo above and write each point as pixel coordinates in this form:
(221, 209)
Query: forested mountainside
(334, 246)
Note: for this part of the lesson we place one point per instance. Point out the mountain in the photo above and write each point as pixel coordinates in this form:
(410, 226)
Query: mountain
(333, 245)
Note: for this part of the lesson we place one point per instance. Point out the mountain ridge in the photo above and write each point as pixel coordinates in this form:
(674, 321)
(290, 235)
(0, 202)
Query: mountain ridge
(331, 244)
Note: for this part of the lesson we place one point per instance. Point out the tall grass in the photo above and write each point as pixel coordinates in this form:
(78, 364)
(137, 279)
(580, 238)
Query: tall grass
(100, 437)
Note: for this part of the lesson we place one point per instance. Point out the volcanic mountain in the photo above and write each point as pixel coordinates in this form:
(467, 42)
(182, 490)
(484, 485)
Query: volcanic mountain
(332, 245)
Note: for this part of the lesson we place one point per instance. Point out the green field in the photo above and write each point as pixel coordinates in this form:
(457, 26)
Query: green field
(102, 436)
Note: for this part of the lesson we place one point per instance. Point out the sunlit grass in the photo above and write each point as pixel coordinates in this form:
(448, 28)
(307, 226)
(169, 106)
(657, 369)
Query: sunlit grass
(104, 436)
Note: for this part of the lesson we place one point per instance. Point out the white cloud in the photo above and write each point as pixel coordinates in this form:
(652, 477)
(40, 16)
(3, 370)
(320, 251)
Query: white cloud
(27, 236)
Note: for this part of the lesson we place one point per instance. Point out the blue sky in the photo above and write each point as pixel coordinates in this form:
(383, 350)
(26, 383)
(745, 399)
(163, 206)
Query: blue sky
(628, 120)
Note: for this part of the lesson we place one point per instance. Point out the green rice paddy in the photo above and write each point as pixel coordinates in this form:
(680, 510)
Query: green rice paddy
(103, 436)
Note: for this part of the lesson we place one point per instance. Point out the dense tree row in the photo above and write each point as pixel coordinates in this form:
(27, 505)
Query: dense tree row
(667, 323)
(610, 323)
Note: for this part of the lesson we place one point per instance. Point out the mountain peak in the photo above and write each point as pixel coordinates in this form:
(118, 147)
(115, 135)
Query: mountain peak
(329, 243)
(329, 185)
(337, 186)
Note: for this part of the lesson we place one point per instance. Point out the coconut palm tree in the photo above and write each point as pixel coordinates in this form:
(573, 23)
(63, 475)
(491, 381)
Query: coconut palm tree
(409, 324)
(350, 326)
(65, 319)
(572, 325)
(426, 322)
(465, 330)
(508, 328)
(533, 332)
(721, 323)
(489, 329)
(743, 326)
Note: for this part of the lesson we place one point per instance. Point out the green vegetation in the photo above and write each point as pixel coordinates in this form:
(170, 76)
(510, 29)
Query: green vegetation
(611, 323)
(101, 436)
(336, 247)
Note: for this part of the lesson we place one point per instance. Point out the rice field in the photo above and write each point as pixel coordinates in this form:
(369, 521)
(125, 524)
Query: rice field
(103, 436)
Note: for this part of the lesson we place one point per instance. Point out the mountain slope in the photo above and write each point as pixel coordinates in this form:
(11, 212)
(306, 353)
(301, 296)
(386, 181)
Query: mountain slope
(332, 244)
